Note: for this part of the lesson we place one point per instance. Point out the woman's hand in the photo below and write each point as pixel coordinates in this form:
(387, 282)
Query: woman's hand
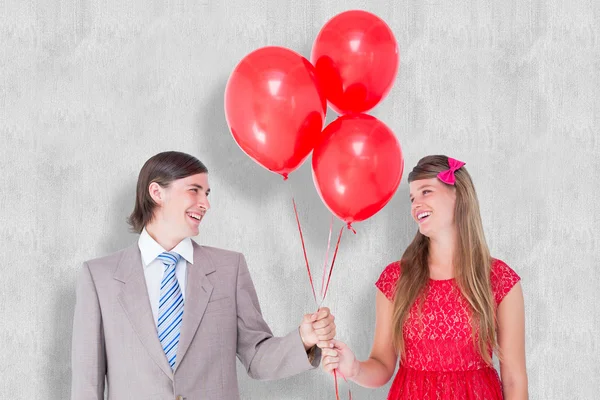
(340, 358)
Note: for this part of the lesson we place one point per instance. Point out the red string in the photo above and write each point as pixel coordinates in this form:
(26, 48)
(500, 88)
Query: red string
(333, 262)
(351, 228)
(312, 286)
(326, 259)
(337, 391)
(337, 246)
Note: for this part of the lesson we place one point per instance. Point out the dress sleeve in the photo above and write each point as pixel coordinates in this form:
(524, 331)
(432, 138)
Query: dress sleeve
(503, 279)
(387, 280)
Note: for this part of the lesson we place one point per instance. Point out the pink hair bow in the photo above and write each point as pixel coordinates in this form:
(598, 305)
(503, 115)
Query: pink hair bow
(447, 176)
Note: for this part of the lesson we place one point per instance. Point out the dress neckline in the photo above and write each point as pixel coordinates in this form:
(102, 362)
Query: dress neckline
(440, 280)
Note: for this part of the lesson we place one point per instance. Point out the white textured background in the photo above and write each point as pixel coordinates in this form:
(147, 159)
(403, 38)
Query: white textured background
(90, 89)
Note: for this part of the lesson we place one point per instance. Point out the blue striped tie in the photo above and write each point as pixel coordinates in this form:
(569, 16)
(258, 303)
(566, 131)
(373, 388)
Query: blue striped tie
(170, 308)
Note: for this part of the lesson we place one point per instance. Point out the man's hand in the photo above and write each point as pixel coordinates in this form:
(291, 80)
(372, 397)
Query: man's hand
(317, 329)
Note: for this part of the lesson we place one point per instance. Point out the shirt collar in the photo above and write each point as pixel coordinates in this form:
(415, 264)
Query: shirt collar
(150, 249)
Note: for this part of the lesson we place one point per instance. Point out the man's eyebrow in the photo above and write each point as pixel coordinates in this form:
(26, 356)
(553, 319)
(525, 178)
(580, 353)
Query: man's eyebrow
(199, 186)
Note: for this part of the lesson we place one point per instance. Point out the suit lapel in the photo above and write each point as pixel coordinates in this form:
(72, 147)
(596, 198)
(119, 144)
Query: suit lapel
(136, 304)
(197, 293)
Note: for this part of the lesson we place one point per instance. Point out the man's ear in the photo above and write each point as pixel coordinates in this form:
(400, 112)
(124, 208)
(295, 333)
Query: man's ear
(156, 192)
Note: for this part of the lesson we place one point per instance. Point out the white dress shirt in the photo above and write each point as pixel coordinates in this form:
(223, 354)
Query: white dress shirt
(154, 269)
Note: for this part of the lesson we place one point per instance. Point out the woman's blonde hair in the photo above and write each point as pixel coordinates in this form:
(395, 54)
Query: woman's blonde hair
(472, 262)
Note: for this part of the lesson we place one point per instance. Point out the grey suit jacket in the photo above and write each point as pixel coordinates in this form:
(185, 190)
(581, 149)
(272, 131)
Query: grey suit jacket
(114, 334)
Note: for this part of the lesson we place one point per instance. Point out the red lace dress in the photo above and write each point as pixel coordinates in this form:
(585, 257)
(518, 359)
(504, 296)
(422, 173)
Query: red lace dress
(442, 362)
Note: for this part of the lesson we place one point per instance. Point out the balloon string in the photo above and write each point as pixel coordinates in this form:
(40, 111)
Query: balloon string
(333, 262)
(337, 390)
(351, 228)
(312, 286)
(285, 178)
(326, 259)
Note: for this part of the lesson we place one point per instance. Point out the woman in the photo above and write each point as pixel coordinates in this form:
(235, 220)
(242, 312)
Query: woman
(446, 306)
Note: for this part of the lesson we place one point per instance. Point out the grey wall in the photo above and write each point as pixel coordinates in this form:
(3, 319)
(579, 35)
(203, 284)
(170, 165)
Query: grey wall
(91, 89)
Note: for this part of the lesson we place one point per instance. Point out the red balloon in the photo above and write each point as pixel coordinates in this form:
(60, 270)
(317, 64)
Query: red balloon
(357, 167)
(357, 57)
(274, 108)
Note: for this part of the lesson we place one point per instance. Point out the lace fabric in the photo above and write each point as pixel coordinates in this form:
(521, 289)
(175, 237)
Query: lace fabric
(442, 361)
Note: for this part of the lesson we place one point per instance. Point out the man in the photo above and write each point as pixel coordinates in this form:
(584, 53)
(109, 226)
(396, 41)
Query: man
(165, 318)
